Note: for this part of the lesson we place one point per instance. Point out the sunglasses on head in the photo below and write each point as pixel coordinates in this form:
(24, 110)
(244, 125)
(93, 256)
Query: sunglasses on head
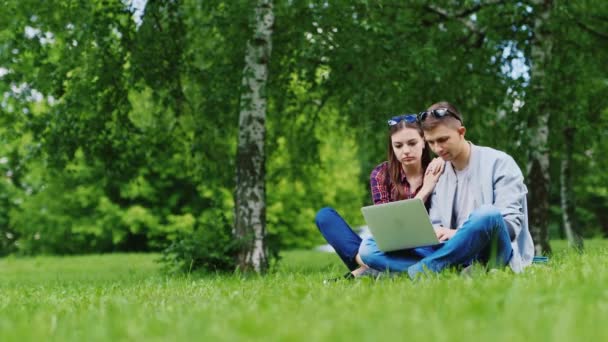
(408, 118)
(438, 114)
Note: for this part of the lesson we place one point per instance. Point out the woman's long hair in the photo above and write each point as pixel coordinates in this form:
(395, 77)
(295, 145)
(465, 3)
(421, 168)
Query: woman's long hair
(394, 165)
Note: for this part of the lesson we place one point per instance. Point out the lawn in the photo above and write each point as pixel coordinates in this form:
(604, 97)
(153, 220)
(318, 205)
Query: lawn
(125, 297)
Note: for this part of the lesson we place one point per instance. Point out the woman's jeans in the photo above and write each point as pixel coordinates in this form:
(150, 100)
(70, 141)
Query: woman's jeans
(483, 238)
(339, 235)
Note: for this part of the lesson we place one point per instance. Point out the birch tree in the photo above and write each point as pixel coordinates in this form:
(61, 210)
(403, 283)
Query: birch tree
(566, 194)
(250, 199)
(538, 127)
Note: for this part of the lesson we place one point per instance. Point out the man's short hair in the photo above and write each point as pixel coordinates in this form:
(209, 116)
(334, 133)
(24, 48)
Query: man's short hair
(453, 120)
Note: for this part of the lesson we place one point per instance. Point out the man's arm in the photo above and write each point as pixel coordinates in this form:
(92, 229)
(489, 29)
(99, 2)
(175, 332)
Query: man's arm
(436, 205)
(509, 193)
(434, 212)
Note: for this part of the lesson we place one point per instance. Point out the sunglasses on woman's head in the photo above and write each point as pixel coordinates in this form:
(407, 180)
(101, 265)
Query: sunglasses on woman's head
(438, 113)
(409, 118)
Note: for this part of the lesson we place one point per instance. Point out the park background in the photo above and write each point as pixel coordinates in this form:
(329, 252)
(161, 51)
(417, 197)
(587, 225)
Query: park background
(120, 120)
(121, 133)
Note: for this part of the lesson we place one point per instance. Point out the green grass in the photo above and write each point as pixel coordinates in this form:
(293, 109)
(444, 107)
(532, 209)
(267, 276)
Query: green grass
(126, 297)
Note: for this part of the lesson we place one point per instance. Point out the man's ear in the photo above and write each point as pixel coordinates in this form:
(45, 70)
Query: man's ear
(462, 130)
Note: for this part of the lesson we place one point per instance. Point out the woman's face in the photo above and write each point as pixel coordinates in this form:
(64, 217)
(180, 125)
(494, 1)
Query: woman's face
(407, 146)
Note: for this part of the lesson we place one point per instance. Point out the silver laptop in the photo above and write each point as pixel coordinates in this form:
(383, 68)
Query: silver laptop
(400, 225)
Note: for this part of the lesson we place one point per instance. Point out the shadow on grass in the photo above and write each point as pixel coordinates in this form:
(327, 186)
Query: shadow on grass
(309, 262)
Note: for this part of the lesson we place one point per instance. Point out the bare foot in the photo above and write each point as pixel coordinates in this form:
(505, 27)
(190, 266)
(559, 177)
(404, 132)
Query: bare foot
(359, 270)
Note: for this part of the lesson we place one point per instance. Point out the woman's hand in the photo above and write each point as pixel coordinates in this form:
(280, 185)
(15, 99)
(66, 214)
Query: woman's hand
(433, 172)
(431, 177)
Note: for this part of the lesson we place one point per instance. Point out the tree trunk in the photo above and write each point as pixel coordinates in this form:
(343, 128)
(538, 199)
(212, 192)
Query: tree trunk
(250, 197)
(538, 161)
(567, 195)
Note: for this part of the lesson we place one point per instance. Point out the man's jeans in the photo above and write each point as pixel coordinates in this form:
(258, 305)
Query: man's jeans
(483, 238)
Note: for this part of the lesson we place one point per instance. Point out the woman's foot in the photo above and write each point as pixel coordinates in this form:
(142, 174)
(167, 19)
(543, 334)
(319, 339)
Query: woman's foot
(359, 271)
(347, 276)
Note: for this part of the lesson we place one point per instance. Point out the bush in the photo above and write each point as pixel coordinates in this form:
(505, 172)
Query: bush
(7, 235)
(210, 247)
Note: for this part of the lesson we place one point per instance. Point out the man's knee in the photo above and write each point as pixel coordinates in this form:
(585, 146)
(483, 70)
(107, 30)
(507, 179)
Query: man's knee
(487, 214)
(486, 220)
(324, 216)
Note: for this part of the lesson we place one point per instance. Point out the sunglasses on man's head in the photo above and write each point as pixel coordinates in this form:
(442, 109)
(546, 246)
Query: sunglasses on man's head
(438, 114)
(409, 118)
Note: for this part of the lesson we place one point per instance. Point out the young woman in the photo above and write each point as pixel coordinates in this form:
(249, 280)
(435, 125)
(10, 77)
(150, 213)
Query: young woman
(408, 173)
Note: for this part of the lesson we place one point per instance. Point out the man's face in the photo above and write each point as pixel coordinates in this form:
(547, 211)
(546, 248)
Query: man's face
(445, 141)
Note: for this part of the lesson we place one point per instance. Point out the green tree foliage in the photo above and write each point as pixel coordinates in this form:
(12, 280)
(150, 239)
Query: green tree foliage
(113, 138)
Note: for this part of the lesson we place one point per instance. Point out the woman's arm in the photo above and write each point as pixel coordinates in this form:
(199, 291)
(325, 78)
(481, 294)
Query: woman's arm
(378, 184)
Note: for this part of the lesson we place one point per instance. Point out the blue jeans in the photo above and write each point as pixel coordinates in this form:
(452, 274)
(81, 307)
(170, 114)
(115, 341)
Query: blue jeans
(483, 238)
(339, 235)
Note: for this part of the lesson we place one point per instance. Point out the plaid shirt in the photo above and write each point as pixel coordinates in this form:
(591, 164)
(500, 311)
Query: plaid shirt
(381, 193)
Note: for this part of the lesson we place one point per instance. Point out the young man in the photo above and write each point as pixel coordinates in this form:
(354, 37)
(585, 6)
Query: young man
(478, 206)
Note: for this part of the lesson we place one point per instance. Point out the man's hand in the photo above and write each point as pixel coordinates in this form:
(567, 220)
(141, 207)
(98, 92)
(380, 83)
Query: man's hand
(444, 234)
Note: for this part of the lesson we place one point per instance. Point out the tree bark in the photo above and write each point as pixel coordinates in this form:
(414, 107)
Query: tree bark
(567, 195)
(538, 159)
(250, 196)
